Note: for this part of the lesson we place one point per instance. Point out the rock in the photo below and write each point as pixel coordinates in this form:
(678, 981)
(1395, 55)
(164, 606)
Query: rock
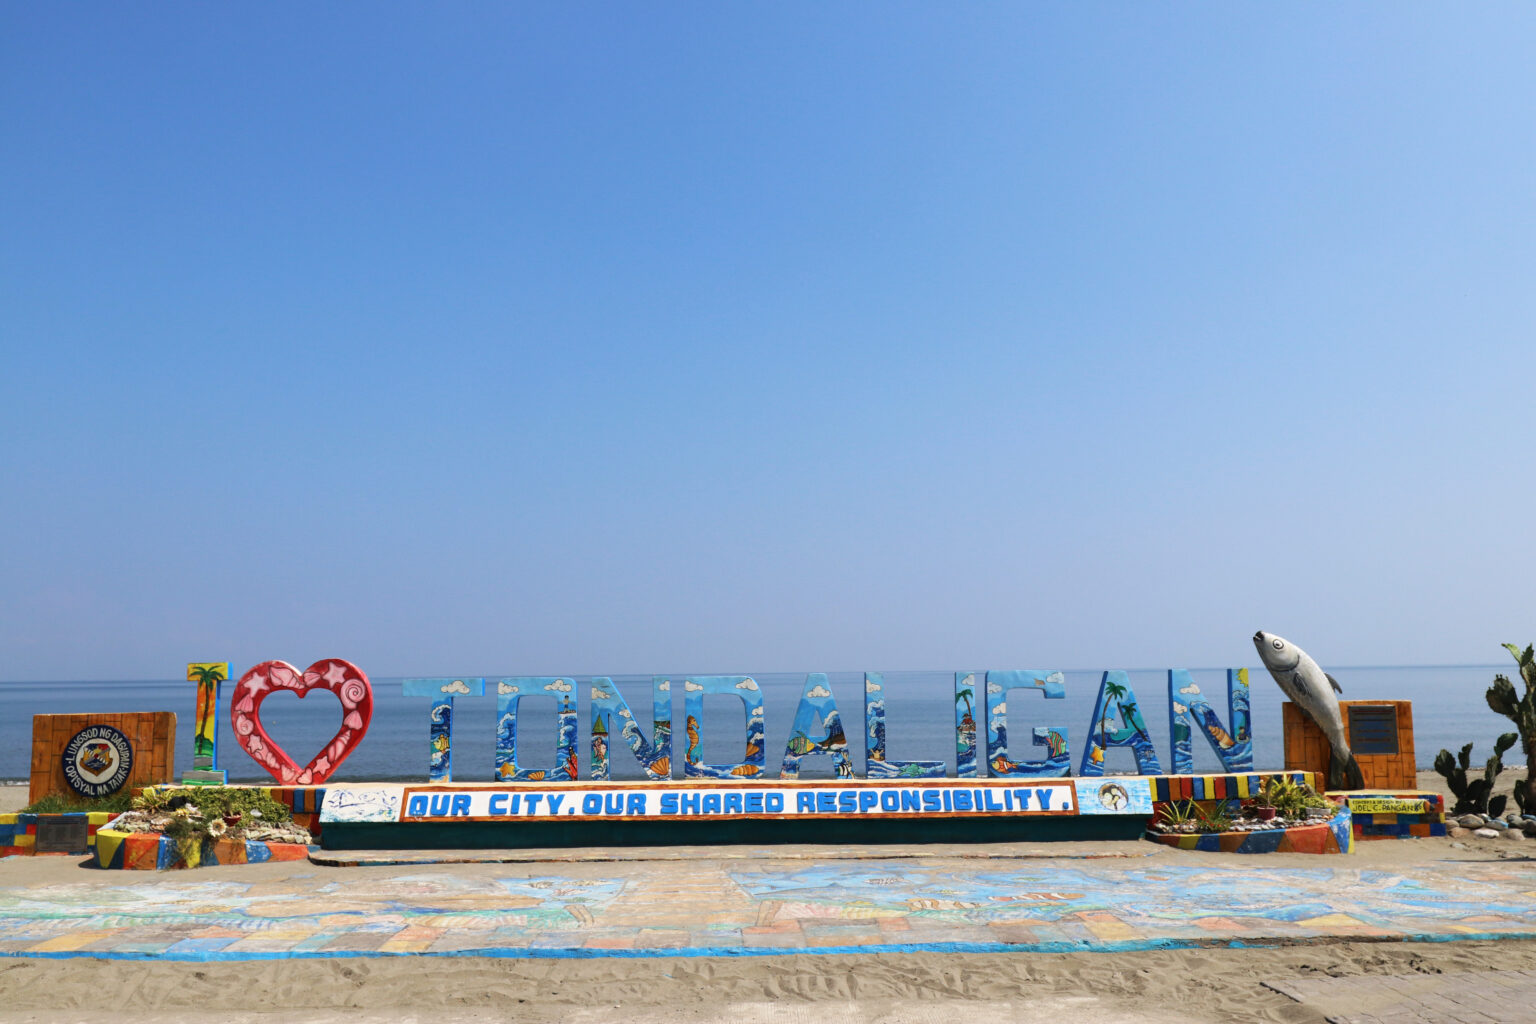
(1495, 823)
(1513, 833)
(1470, 821)
(1529, 828)
(1458, 846)
(1456, 831)
(1487, 833)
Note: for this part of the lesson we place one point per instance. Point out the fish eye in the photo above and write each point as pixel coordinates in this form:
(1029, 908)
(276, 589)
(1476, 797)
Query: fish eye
(1278, 644)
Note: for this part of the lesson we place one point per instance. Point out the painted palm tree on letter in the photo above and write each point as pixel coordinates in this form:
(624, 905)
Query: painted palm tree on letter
(1112, 694)
(206, 677)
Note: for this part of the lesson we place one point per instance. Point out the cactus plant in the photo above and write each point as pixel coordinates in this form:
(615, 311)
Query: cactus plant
(1472, 796)
(1521, 711)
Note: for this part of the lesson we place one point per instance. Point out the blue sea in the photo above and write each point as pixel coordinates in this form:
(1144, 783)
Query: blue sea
(1448, 710)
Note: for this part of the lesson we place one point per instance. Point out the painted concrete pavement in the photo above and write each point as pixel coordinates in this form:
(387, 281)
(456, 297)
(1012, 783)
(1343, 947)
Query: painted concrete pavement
(757, 908)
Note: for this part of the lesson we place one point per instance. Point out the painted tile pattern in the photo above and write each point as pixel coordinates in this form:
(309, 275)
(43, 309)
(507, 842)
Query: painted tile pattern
(1170, 788)
(764, 907)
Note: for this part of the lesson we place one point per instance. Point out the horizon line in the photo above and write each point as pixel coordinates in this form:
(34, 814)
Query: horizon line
(884, 672)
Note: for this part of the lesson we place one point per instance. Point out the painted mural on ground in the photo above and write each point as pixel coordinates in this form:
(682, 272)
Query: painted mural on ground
(775, 906)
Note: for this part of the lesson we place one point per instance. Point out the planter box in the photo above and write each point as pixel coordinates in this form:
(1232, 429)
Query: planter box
(1335, 835)
(152, 851)
(303, 801)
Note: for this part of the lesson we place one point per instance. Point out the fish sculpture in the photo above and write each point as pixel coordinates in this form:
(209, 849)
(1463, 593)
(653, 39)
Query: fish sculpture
(1313, 690)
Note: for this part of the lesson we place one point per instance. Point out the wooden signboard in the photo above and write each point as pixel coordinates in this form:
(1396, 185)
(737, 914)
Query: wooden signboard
(1380, 734)
(150, 737)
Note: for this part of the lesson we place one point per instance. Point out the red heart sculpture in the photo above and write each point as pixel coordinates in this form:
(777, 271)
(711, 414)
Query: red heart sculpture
(342, 678)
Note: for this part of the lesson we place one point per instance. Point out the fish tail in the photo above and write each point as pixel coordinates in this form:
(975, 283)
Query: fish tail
(1344, 774)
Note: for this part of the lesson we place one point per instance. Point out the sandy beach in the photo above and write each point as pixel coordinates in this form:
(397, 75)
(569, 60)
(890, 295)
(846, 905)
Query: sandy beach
(1157, 987)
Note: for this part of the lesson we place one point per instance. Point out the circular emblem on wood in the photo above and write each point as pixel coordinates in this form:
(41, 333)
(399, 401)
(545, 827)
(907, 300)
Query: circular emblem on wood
(97, 760)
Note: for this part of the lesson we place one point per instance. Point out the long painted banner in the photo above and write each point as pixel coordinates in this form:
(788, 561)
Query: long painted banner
(756, 801)
(672, 801)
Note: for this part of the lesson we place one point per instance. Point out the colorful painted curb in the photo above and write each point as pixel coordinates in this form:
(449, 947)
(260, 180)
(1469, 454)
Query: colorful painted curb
(18, 832)
(1175, 788)
(151, 851)
(1333, 836)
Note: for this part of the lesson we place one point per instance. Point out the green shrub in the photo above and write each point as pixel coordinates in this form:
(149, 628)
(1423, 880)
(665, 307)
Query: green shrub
(57, 803)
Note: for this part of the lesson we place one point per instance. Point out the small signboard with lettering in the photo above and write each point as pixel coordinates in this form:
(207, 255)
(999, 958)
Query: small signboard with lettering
(63, 833)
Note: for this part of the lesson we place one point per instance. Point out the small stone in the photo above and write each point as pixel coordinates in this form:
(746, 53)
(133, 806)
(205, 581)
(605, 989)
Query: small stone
(1456, 831)
(1529, 828)
(1513, 833)
(1495, 823)
(1487, 833)
(1458, 846)
(1470, 821)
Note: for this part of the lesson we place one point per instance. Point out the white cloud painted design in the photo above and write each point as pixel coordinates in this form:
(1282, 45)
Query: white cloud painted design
(457, 686)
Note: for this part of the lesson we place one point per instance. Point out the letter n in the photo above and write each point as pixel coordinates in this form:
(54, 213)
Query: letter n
(1189, 712)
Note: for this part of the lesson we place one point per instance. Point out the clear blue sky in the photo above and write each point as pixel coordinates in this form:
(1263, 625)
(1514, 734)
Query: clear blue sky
(515, 338)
